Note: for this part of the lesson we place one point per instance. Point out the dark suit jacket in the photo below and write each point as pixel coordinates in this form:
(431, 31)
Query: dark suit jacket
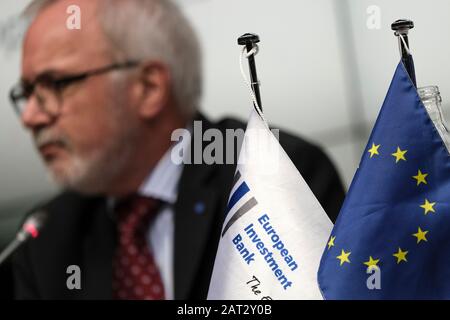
(80, 232)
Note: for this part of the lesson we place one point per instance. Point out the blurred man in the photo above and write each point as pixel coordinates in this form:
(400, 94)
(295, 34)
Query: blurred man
(101, 104)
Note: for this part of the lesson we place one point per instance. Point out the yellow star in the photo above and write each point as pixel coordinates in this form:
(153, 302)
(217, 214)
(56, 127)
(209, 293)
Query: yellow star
(421, 177)
(374, 150)
(343, 257)
(428, 206)
(420, 235)
(372, 262)
(400, 255)
(331, 242)
(399, 155)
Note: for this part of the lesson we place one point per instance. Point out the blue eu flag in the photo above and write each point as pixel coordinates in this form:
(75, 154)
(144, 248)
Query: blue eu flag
(392, 236)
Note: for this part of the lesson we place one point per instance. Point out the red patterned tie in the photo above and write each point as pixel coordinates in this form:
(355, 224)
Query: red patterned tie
(135, 273)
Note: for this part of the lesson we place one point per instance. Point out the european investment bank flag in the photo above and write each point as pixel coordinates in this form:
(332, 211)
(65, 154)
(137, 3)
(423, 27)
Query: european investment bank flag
(397, 212)
(274, 230)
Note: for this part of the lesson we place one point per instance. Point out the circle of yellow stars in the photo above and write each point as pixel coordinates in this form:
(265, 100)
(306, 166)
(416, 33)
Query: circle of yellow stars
(420, 235)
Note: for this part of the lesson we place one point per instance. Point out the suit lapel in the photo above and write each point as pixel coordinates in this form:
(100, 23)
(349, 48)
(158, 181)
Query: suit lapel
(194, 214)
(198, 214)
(98, 249)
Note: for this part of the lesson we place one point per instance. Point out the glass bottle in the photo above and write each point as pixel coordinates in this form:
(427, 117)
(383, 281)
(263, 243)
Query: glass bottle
(432, 100)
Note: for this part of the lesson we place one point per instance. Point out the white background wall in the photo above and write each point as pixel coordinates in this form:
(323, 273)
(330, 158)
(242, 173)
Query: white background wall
(21, 172)
(323, 72)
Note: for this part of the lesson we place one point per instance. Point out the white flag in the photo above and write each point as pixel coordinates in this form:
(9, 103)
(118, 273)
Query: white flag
(274, 231)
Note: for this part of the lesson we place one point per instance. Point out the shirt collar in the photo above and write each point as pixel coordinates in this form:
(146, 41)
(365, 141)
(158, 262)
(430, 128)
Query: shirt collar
(162, 182)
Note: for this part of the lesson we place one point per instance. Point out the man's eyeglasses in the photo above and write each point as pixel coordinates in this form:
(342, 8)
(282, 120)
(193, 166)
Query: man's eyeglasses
(47, 87)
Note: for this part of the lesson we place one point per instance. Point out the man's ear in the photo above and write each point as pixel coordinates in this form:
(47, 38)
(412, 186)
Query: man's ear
(154, 91)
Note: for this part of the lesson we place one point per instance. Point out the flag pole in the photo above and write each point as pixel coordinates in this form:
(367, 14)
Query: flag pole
(401, 28)
(250, 40)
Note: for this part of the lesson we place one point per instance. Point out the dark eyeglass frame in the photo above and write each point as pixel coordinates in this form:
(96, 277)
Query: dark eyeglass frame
(24, 90)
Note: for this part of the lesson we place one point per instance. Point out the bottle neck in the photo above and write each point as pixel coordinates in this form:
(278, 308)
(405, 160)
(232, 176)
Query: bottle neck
(430, 95)
(431, 99)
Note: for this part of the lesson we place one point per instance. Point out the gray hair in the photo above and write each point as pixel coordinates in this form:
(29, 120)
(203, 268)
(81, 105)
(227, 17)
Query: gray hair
(151, 30)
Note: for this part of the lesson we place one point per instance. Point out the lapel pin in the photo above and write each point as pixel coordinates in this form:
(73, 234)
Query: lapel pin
(199, 207)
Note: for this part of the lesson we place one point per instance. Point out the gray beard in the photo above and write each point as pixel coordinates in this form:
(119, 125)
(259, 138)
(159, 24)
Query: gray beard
(93, 175)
